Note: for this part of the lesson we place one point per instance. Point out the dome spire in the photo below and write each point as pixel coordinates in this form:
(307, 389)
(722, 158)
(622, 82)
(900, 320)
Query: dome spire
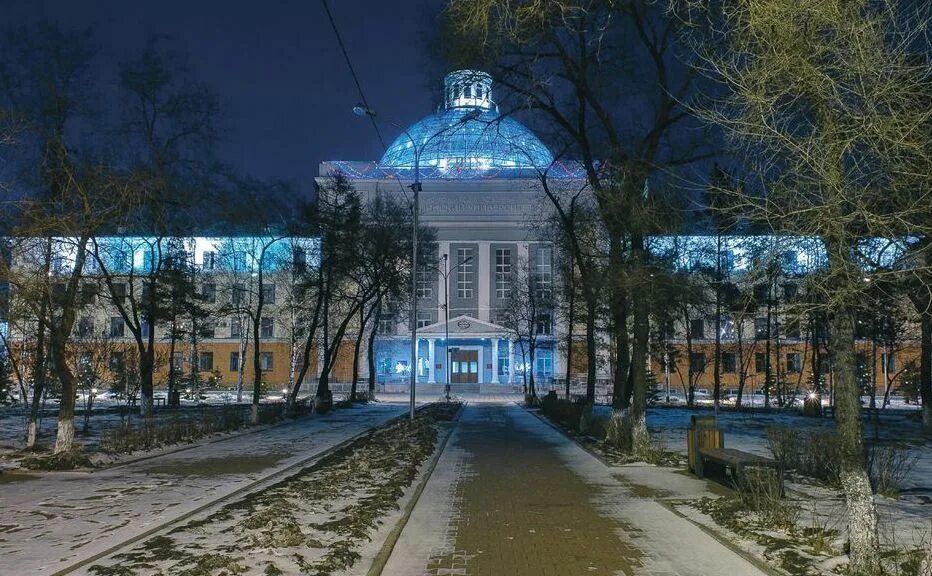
(467, 89)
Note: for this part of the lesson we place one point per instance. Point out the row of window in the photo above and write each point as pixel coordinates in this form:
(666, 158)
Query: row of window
(238, 295)
(386, 322)
(794, 363)
(542, 271)
(206, 361)
(85, 328)
(789, 328)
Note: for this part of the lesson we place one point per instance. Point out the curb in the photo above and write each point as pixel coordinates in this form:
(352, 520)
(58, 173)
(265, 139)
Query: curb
(388, 547)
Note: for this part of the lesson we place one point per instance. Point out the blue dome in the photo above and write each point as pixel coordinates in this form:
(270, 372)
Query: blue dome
(467, 134)
(446, 142)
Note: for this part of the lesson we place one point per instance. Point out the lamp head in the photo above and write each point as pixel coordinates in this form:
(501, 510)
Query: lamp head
(362, 110)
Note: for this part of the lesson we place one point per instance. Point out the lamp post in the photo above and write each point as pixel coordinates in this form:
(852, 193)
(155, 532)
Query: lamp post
(446, 312)
(363, 110)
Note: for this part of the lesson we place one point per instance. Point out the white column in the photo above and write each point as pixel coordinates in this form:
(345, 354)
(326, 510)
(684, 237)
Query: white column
(484, 280)
(494, 360)
(320, 360)
(511, 361)
(431, 377)
(481, 364)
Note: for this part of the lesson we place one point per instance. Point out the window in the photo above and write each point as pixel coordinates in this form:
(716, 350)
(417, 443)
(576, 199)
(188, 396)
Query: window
(148, 260)
(502, 359)
(544, 324)
(299, 259)
(464, 273)
(234, 361)
(762, 293)
(266, 361)
(116, 361)
(760, 328)
(236, 328)
(794, 363)
(890, 361)
(268, 293)
(210, 260)
(760, 362)
(502, 273)
(207, 329)
(424, 287)
(177, 361)
(697, 328)
(729, 363)
(790, 291)
(386, 324)
(424, 318)
(144, 327)
(205, 361)
(267, 327)
(119, 292)
(792, 327)
(544, 361)
(239, 262)
(696, 362)
(209, 293)
(117, 327)
(85, 326)
(88, 294)
(239, 294)
(543, 271)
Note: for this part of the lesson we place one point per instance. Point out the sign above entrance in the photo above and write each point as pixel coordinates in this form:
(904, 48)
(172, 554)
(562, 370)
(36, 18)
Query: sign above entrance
(464, 325)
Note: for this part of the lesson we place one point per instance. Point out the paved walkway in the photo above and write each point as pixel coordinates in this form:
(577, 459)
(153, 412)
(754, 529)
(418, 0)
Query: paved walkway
(53, 521)
(512, 496)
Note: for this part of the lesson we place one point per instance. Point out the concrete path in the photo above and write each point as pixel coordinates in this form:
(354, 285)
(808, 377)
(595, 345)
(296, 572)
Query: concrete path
(512, 496)
(55, 520)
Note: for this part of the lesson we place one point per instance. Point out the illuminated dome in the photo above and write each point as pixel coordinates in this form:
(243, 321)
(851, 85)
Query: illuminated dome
(467, 134)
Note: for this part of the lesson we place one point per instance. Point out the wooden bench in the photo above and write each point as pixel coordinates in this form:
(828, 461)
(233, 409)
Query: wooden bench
(737, 460)
(706, 444)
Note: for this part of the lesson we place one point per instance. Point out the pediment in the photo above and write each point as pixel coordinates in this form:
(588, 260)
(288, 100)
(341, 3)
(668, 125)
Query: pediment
(464, 325)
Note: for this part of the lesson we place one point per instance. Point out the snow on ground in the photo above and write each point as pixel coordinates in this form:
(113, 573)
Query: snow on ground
(49, 521)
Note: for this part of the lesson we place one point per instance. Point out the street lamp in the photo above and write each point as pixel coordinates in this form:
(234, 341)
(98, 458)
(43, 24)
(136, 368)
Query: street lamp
(364, 111)
(446, 312)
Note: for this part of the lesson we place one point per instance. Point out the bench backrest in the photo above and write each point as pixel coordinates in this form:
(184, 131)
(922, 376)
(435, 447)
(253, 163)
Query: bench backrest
(702, 432)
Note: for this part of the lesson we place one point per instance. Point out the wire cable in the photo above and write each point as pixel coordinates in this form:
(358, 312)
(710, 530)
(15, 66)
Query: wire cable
(362, 94)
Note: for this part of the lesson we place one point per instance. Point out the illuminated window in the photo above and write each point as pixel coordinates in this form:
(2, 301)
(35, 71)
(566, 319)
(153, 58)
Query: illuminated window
(267, 361)
(464, 273)
(543, 271)
(502, 273)
(205, 361)
(424, 318)
(424, 284)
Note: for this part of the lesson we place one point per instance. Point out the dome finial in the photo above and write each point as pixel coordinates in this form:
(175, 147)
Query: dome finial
(468, 89)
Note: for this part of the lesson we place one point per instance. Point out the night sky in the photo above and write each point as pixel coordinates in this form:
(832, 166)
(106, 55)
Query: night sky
(285, 91)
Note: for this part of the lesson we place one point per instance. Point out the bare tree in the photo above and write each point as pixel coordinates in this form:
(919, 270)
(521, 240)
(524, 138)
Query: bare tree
(583, 66)
(825, 107)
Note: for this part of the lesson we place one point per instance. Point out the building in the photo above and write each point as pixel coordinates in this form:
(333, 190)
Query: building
(481, 193)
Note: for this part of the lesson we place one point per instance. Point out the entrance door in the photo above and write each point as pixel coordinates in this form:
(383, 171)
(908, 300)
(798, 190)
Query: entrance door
(464, 366)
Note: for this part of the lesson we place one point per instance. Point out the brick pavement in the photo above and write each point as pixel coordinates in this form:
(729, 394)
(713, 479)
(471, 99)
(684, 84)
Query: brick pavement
(512, 496)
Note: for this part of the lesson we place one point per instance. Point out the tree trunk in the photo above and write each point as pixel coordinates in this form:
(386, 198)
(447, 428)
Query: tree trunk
(356, 346)
(621, 383)
(570, 325)
(640, 439)
(146, 366)
(241, 369)
(925, 369)
(370, 352)
(591, 365)
(862, 517)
